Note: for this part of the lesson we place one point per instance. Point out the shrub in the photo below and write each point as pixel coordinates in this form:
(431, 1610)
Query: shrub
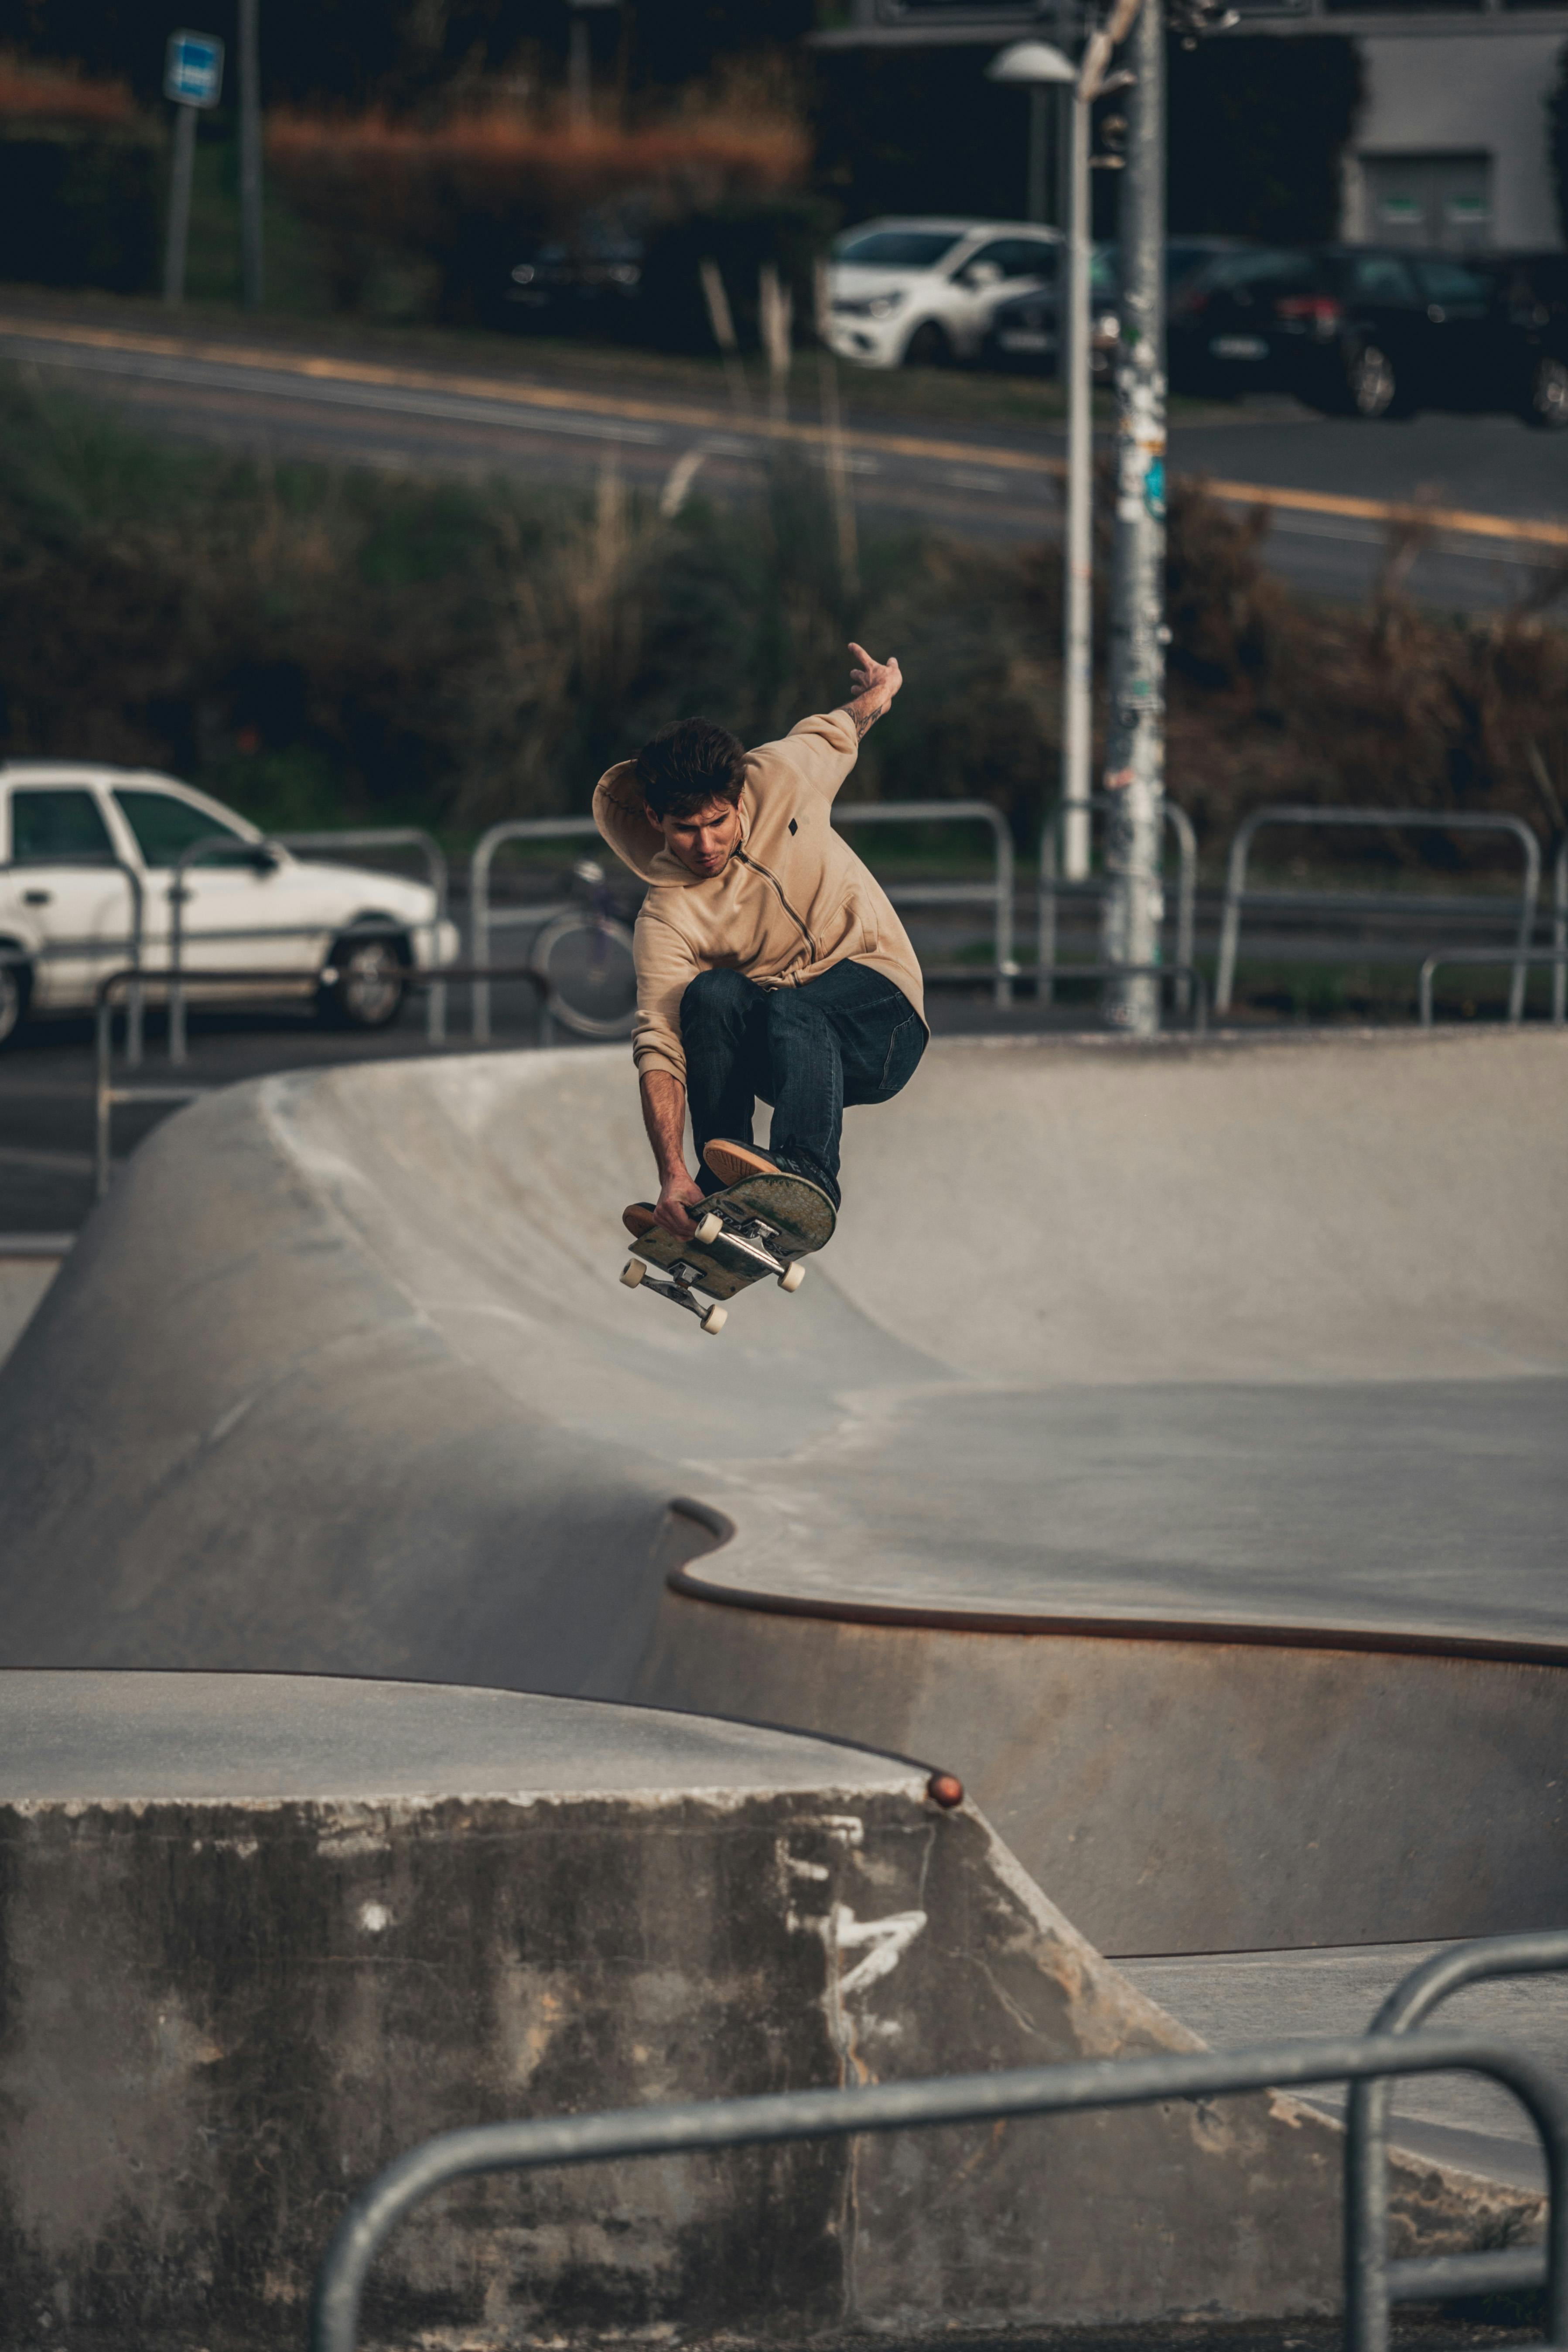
(318, 646)
(79, 180)
(465, 192)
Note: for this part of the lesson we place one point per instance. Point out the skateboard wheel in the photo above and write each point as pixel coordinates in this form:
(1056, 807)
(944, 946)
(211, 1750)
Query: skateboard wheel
(709, 1228)
(792, 1276)
(715, 1319)
(633, 1272)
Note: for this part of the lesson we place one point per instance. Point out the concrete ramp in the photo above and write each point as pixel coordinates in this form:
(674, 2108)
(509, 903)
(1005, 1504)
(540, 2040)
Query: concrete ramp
(263, 1934)
(1170, 1443)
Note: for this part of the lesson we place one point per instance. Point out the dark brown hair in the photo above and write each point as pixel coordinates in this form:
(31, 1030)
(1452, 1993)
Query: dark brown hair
(688, 763)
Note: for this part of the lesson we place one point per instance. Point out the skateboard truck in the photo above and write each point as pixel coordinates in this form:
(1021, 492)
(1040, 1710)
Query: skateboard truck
(678, 1290)
(752, 1238)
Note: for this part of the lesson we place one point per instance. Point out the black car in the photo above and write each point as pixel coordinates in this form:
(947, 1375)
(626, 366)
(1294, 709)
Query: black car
(1354, 330)
(594, 277)
(1025, 332)
(1533, 289)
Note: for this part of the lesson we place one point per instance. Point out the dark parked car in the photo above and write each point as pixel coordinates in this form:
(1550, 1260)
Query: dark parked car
(1025, 332)
(591, 280)
(1534, 289)
(1354, 331)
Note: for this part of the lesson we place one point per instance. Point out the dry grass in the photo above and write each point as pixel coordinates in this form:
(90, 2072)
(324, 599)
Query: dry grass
(375, 179)
(36, 93)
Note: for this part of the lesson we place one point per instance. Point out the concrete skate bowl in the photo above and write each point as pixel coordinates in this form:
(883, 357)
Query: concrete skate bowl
(1170, 1444)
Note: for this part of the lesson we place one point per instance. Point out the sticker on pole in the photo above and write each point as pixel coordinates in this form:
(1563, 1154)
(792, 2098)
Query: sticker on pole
(193, 69)
(1155, 490)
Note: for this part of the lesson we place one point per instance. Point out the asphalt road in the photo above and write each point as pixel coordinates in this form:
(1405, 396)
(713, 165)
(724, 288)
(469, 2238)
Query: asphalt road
(1486, 479)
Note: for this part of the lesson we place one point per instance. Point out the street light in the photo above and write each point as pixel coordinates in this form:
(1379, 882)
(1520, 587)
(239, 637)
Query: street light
(1036, 64)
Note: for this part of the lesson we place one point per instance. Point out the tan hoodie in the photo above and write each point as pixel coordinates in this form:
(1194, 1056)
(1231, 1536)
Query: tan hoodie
(793, 901)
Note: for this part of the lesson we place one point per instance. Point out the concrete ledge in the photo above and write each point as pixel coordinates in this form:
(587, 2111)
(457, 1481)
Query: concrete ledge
(228, 2000)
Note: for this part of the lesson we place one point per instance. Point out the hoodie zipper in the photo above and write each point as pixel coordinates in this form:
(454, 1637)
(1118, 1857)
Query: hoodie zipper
(767, 872)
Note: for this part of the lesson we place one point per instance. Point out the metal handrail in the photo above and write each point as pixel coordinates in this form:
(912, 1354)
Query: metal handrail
(396, 836)
(135, 945)
(1408, 820)
(1371, 2279)
(107, 1095)
(231, 847)
(965, 2098)
(1181, 826)
(480, 920)
(997, 893)
(1556, 958)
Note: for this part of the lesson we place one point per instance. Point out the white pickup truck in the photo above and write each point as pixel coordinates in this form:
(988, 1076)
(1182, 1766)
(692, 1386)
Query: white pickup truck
(341, 934)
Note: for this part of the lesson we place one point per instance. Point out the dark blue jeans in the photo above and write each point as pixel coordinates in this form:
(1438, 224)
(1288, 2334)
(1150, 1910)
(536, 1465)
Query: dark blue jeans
(849, 1037)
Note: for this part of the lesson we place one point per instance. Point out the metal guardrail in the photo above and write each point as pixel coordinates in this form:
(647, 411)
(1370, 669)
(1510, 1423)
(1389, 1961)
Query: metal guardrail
(1237, 894)
(134, 946)
(1554, 959)
(1371, 2281)
(483, 919)
(997, 893)
(1050, 889)
(107, 1095)
(966, 2098)
(397, 836)
(223, 848)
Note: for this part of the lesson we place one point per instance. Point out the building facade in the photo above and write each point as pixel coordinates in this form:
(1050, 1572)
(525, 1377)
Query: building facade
(1451, 147)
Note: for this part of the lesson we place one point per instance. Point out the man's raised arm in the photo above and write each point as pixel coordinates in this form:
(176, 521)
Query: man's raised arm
(875, 683)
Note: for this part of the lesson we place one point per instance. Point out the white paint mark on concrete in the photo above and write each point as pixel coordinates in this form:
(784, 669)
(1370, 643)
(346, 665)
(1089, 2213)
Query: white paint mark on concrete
(885, 1941)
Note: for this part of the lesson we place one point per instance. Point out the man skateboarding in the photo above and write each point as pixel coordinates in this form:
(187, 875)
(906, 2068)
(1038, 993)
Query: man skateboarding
(769, 961)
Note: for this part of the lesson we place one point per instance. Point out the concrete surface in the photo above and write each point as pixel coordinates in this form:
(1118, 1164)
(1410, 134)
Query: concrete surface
(1255, 1353)
(263, 1934)
(1238, 1998)
(23, 1282)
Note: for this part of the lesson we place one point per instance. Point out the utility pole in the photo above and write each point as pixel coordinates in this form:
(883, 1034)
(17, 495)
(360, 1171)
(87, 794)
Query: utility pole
(1135, 752)
(251, 265)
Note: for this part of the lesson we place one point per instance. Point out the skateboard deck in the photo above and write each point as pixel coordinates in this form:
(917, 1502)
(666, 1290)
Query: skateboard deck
(764, 1225)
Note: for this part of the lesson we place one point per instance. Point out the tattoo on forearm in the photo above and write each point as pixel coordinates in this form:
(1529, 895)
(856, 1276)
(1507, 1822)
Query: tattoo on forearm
(864, 720)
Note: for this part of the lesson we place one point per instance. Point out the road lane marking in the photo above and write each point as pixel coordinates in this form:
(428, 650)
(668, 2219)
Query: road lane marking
(582, 408)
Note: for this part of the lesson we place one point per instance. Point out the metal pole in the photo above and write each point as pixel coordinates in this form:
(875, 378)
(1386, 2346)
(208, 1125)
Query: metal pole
(1078, 620)
(180, 206)
(250, 263)
(1134, 905)
(1040, 140)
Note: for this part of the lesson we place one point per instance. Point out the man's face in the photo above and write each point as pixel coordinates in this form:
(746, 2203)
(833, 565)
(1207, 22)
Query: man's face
(704, 840)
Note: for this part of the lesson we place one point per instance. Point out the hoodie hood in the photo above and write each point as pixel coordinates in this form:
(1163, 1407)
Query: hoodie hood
(619, 816)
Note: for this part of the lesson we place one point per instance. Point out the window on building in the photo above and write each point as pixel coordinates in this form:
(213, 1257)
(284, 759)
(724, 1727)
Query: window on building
(1443, 201)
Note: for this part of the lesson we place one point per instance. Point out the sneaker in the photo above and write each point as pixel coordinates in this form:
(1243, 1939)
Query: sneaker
(732, 1161)
(639, 1218)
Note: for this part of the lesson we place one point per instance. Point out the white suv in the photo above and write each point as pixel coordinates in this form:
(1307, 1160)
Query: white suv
(919, 292)
(65, 909)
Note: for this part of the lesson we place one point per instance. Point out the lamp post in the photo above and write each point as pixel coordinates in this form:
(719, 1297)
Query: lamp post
(1037, 65)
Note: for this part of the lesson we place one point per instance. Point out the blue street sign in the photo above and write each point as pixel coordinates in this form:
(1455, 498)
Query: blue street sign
(193, 70)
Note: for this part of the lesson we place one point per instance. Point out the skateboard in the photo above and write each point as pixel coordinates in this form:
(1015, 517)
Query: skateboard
(766, 1224)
